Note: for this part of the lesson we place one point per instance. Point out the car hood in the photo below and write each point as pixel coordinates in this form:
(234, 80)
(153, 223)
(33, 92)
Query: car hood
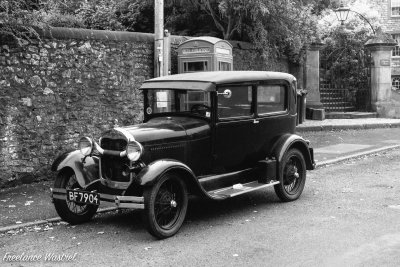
(168, 129)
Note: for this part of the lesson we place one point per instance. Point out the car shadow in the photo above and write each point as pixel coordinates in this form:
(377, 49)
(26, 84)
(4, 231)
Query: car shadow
(200, 212)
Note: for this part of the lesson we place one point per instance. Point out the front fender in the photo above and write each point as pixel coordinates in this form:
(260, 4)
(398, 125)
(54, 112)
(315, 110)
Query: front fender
(150, 174)
(84, 172)
(288, 141)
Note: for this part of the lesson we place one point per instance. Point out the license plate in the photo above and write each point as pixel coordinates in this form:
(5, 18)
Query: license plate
(83, 197)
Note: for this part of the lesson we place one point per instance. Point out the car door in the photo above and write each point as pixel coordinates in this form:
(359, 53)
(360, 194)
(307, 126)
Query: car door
(234, 129)
(273, 114)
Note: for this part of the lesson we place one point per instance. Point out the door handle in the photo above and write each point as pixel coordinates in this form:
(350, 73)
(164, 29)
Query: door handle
(256, 121)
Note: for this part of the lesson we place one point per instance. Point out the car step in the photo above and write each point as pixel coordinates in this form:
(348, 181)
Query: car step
(239, 189)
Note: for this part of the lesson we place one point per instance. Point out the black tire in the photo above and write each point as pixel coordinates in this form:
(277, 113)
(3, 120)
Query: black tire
(165, 206)
(71, 212)
(292, 176)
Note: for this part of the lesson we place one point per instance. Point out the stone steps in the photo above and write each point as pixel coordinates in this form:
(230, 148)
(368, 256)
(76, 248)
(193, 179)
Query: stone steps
(350, 115)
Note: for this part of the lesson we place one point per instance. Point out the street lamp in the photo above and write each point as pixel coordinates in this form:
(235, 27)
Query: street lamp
(343, 12)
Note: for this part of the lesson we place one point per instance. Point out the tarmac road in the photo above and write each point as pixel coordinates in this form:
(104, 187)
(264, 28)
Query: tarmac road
(348, 215)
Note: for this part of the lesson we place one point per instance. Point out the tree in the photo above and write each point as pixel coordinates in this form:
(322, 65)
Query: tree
(344, 61)
(20, 19)
(100, 15)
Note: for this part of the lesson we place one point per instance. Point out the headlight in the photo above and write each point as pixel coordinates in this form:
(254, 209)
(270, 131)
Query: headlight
(86, 146)
(134, 150)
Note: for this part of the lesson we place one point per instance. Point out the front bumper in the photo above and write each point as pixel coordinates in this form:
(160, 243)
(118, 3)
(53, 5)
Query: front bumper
(121, 202)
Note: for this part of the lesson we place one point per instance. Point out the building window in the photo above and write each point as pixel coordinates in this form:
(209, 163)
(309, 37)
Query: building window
(395, 8)
(396, 83)
(396, 49)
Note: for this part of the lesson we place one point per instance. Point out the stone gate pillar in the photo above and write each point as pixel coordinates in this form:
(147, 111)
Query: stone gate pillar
(315, 109)
(381, 82)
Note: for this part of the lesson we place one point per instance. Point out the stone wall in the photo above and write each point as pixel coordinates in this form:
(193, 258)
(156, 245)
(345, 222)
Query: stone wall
(78, 82)
(246, 57)
(74, 83)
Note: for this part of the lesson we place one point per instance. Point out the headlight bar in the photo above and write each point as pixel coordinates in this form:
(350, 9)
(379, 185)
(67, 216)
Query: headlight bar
(135, 149)
(109, 152)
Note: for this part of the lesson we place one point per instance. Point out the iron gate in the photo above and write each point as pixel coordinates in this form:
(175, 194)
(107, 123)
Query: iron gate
(345, 80)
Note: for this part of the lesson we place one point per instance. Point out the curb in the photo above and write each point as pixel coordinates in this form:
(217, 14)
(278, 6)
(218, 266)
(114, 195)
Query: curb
(104, 210)
(331, 127)
(356, 155)
(51, 220)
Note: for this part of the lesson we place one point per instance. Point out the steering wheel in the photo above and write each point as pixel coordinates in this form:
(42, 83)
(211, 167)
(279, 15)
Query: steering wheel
(200, 108)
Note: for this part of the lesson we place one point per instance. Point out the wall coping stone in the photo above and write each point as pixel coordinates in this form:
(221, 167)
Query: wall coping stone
(88, 34)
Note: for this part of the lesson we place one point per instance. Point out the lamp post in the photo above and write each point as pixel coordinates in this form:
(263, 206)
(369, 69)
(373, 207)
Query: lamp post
(343, 12)
(380, 46)
(158, 38)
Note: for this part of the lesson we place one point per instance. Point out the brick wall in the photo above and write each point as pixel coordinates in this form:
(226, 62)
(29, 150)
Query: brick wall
(389, 23)
(76, 82)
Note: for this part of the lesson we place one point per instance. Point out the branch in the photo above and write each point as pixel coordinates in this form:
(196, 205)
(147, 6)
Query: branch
(211, 12)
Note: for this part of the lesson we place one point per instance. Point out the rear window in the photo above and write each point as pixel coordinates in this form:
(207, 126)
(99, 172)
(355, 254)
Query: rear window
(271, 98)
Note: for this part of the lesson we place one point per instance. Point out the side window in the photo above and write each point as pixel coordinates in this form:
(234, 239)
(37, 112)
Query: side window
(238, 104)
(271, 98)
(194, 98)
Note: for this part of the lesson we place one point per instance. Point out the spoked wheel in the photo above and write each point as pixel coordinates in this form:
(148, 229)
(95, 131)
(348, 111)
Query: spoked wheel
(69, 211)
(165, 206)
(292, 176)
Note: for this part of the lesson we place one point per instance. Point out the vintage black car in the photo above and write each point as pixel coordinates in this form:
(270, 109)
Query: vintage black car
(211, 134)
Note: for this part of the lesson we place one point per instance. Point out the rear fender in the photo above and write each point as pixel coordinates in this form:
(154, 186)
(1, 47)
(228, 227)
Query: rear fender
(289, 141)
(84, 172)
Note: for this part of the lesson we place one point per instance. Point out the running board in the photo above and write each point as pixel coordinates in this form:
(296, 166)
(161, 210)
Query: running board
(239, 189)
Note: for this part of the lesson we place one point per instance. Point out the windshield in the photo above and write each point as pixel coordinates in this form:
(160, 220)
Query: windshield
(165, 101)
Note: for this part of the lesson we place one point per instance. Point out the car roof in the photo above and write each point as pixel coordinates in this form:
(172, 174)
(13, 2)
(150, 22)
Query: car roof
(208, 80)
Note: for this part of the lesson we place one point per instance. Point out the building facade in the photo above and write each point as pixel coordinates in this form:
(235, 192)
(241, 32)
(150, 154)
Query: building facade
(390, 19)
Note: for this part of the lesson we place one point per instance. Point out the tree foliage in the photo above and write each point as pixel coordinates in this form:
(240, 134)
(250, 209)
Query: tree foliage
(275, 27)
(20, 19)
(344, 60)
(100, 15)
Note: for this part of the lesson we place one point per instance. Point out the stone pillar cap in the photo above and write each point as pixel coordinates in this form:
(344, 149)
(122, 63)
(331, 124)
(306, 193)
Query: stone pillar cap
(381, 40)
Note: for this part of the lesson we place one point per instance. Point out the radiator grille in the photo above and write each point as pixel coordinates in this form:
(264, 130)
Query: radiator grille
(112, 167)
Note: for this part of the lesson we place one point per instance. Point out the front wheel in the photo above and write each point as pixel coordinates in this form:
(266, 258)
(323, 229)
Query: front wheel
(292, 176)
(69, 211)
(165, 206)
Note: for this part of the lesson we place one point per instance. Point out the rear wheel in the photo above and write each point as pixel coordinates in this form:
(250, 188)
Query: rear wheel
(165, 206)
(69, 211)
(292, 176)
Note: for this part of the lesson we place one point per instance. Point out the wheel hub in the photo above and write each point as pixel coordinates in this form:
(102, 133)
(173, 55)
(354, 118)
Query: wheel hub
(173, 204)
(291, 175)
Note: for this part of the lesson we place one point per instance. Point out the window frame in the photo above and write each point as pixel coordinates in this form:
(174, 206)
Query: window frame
(393, 82)
(396, 49)
(177, 104)
(220, 62)
(236, 118)
(392, 5)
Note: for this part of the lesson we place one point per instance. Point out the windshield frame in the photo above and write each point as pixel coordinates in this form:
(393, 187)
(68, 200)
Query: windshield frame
(148, 108)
